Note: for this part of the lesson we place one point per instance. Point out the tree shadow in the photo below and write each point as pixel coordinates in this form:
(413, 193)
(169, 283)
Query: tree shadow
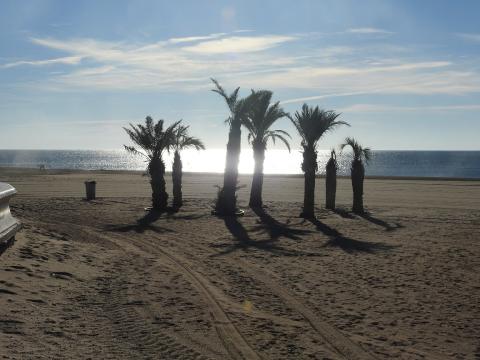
(142, 224)
(343, 213)
(388, 227)
(275, 228)
(367, 216)
(245, 243)
(347, 244)
(176, 216)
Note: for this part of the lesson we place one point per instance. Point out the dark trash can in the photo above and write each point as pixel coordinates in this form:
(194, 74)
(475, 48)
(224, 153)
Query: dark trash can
(90, 189)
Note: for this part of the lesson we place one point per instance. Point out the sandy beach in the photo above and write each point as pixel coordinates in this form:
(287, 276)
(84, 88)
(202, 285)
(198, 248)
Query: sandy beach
(101, 280)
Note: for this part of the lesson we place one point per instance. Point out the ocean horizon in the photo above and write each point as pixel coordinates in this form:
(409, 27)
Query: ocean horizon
(406, 163)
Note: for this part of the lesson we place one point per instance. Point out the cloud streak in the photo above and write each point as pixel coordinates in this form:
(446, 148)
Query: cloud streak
(470, 37)
(376, 108)
(238, 44)
(369, 31)
(258, 61)
(68, 60)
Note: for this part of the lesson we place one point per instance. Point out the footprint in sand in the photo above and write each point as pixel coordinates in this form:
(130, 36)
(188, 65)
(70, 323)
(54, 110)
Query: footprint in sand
(11, 327)
(62, 275)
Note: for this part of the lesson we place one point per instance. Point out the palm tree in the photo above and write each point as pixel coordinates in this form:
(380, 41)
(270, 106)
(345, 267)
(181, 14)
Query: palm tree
(153, 140)
(182, 140)
(331, 180)
(227, 201)
(357, 171)
(312, 123)
(261, 117)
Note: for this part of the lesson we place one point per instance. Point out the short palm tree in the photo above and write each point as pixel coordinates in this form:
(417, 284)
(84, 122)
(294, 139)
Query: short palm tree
(260, 118)
(227, 201)
(182, 140)
(357, 171)
(312, 123)
(331, 180)
(153, 139)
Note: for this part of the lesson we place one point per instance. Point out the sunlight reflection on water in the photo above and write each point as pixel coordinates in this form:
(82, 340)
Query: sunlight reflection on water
(459, 164)
(276, 161)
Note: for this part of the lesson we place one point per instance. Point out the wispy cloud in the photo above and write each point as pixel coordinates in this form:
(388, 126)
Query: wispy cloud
(195, 38)
(239, 44)
(69, 60)
(376, 108)
(369, 30)
(470, 37)
(258, 61)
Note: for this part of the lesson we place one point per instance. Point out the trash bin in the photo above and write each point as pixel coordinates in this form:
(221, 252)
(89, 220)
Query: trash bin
(90, 189)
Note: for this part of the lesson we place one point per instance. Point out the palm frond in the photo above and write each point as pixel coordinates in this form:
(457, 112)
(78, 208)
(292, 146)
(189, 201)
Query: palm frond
(312, 123)
(151, 137)
(231, 99)
(261, 115)
(134, 151)
(273, 135)
(359, 153)
(182, 140)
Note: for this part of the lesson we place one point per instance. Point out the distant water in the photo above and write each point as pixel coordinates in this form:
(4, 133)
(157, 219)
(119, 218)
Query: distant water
(455, 164)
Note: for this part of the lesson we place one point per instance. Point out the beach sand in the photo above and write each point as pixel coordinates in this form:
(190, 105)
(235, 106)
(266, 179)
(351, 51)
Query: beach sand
(88, 280)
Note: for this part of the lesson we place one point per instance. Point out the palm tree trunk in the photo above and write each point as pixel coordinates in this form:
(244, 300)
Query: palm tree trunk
(357, 174)
(257, 180)
(330, 184)
(177, 180)
(309, 166)
(227, 200)
(156, 169)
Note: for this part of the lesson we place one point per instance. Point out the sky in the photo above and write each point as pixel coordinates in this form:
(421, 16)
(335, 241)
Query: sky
(404, 74)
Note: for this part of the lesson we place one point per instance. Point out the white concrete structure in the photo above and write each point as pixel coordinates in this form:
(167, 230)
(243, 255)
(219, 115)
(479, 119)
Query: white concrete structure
(8, 224)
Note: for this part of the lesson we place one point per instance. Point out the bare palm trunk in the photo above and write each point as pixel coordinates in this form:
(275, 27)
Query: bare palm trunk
(357, 174)
(309, 166)
(331, 184)
(227, 200)
(257, 181)
(157, 181)
(177, 180)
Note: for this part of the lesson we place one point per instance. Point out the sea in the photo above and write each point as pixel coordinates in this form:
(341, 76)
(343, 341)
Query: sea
(443, 164)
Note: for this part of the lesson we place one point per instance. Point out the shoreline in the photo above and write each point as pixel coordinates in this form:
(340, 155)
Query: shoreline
(36, 171)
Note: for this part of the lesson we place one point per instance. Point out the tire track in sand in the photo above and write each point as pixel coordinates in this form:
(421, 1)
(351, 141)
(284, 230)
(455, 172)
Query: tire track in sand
(233, 341)
(338, 341)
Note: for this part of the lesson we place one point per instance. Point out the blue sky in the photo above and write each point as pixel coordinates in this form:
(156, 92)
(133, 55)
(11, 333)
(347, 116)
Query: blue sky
(404, 74)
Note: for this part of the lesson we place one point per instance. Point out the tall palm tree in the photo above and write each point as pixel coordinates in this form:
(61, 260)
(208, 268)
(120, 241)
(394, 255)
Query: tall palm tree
(182, 140)
(261, 116)
(357, 171)
(153, 140)
(331, 180)
(227, 201)
(312, 123)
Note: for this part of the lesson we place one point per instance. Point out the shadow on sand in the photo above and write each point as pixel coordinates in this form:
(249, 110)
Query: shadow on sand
(345, 243)
(367, 216)
(244, 242)
(276, 229)
(142, 224)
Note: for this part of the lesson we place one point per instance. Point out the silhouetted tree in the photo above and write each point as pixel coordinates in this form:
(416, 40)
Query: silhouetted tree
(357, 171)
(182, 140)
(331, 181)
(261, 116)
(312, 123)
(227, 201)
(153, 140)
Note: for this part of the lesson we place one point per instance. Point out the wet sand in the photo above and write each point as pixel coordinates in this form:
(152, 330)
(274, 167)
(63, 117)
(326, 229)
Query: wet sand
(101, 279)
